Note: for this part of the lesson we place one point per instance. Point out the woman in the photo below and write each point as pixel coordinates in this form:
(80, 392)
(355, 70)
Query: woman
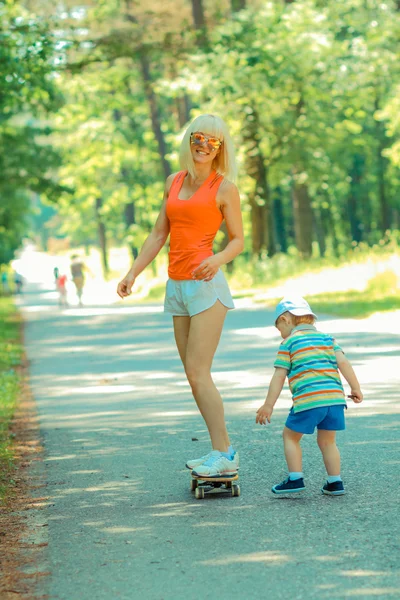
(196, 201)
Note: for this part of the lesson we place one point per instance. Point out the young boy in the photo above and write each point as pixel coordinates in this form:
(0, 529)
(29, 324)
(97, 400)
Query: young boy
(311, 360)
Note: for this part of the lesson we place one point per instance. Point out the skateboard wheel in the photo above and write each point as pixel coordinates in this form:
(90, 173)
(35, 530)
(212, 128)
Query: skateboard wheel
(228, 485)
(199, 493)
(193, 485)
(235, 490)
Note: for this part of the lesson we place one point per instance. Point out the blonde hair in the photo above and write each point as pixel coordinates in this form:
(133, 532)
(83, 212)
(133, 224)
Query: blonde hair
(309, 319)
(224, 163)
(298, 320)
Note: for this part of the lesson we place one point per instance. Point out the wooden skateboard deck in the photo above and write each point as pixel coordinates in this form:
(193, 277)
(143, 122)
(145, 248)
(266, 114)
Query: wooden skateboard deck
(201, 486)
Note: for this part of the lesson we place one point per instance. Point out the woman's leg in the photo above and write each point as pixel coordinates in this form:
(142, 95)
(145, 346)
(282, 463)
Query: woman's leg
(203, 338)
(181, 332)
(291, 444)
(330, 453)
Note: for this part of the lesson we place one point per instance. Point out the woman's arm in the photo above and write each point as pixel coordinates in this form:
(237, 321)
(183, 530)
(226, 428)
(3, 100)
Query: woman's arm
(151, 247)
(228, 201)
(229, 204)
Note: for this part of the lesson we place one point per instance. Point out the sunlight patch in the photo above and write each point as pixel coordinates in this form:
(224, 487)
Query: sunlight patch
(255, 557)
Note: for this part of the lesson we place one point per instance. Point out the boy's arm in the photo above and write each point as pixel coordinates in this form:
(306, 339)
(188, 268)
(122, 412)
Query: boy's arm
(275, 387)
(347, 371)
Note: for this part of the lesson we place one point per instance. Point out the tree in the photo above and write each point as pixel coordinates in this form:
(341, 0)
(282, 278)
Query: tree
(27, 93)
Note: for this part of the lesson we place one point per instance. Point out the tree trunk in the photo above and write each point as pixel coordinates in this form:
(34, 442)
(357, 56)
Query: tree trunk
(129, 210)
(319, 232)
(381, 164)
(279, 221)
(330, 226)
(131, 220)
(384, 206)
(102, 235)
(183, 105)
(237, 5)
(269, 234)
(260, 200)
(396, 219)
(303, 218)
(257, 233)
(200, 23)
(355, 197)
(129, 213)
(150, 95)
(155, 117)
(198, 14)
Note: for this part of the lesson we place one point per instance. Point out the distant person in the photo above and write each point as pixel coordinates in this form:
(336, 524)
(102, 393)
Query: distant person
(196, 202)
(77, 271)
(62, 290)
(18, 282)
(4, 283)
(56, 273)
(311, 361)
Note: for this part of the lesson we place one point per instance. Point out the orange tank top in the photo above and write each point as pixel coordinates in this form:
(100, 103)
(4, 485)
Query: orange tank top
(193, 225)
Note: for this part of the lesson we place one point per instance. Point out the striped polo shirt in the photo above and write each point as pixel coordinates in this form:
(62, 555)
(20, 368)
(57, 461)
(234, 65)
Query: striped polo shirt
(309, 357)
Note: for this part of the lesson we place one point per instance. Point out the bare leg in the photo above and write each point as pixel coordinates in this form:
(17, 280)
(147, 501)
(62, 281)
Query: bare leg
(202, 341)
(291, 444)
(330, 453)
(181, 332)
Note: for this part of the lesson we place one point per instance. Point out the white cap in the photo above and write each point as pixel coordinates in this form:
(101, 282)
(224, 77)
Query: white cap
(296, 305)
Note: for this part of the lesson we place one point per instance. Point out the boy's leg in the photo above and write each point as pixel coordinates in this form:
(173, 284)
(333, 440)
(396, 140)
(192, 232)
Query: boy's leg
(327, 444)
(330, 452)
(295, 482)
(291, 444)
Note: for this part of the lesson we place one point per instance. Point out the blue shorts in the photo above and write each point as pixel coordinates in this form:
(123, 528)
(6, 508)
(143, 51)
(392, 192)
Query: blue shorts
(329, 418)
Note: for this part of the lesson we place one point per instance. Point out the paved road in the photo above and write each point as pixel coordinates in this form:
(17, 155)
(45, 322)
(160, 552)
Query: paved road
(118, 423)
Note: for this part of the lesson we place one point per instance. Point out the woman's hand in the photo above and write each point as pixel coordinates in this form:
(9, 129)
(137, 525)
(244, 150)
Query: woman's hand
(264, 414)
(125, 285)
(207, 269)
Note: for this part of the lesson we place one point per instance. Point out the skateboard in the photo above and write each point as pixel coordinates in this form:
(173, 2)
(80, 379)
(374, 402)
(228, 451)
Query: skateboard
(201, 486)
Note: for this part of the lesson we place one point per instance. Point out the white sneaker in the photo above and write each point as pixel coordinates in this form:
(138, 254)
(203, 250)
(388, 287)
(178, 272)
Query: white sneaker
(217, 466)
(196, 462)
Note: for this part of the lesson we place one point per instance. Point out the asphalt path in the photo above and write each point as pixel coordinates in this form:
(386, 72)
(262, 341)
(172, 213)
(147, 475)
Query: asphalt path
(118, 423)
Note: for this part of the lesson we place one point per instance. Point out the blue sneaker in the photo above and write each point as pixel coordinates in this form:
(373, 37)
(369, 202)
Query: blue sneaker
(289, 486)
(333, 489)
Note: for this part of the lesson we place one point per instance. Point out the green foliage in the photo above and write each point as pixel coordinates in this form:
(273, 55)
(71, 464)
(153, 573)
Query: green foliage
(314, 80)
(309, 90)
(10, 357)
(27, 93)
(103, 135)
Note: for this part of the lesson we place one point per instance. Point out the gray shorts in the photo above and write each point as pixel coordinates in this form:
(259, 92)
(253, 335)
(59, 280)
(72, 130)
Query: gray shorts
(190, 297)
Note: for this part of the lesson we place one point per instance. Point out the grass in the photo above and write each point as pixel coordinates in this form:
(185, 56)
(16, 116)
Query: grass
(10, 358)
(156, 293)
(382, 294)
(260, 274)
